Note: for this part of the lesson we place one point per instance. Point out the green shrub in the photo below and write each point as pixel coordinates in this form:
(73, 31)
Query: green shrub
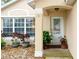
(3, 43)
(46, 37)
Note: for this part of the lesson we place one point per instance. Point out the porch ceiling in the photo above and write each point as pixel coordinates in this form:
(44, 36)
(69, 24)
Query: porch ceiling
(62, 8)
(65, 7)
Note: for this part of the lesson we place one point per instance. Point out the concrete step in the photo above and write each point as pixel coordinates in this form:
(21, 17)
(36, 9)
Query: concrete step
(58, 58)
(57, 54)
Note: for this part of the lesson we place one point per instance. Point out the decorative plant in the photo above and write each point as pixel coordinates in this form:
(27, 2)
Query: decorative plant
(26, 41)
(26, 37)
(3, 35)
(15, 35)
(3, 43)
(46, 37)
(15, 43)
(64, 43)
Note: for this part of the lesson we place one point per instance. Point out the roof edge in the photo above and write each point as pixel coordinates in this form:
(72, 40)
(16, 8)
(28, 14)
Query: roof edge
(9, 3)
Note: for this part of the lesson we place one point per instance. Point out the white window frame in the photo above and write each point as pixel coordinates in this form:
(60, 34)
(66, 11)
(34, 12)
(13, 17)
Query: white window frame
(13, 18)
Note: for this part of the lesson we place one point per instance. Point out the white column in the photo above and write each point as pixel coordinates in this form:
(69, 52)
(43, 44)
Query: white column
(38, 33)
(13, 25)
(24, 25)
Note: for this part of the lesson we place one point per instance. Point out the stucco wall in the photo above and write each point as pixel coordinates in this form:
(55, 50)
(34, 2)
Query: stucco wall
(46, 3)
(46, 23)
(47, 20)
(71, 31)
(18, 9)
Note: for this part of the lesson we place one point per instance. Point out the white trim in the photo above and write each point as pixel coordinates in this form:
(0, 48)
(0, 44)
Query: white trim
(28, 1)
(38, 53)
(24, 25)
(18, 16)
(7, 4)
(62, 26)
(13, 25)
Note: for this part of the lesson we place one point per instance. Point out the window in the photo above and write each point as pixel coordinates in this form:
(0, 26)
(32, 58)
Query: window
(19, 25)
(30, 31)
(57, 24)
(7, 26)
(30, 23)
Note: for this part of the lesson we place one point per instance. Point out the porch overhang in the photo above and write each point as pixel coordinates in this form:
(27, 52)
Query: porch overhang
(66, 7)
(50, 9)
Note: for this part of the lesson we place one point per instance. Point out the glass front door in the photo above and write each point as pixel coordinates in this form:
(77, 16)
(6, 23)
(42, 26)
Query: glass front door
(57, 30)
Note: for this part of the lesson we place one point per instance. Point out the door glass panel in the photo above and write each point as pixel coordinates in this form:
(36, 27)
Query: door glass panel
(57, 26)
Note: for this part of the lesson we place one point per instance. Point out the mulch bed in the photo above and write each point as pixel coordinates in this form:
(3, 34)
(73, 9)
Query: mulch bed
(18, 53)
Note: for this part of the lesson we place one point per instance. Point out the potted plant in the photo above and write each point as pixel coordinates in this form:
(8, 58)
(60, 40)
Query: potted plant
(15, 43)
(64, 43)
(26, 41)
(46, 38)
(3, 43)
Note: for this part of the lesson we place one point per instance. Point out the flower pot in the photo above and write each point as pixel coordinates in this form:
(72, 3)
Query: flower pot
(25, 44)
(64, 43)
(15, 44)
(64, 46)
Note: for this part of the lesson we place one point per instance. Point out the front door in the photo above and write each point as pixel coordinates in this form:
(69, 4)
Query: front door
(57, 29)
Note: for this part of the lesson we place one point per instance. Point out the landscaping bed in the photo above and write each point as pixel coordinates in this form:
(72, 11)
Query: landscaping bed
(18, 53)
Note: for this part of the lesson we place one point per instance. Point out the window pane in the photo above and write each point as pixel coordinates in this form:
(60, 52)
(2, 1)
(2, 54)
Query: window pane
(57, 24)
(31, 33)
(19, 30)
(19, 22)
(8, 31)
(7, 22)
(30, 22)
(7, 26)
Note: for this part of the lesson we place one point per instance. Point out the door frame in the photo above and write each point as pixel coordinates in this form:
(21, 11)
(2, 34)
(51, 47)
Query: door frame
(62, 26)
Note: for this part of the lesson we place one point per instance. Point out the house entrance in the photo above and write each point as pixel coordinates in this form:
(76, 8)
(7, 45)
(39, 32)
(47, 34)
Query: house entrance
(57, 30)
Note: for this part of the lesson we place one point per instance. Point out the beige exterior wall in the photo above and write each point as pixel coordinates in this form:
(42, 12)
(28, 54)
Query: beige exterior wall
(18, 9)
(47, 20)
(46, 3)
(46, 23)
(71, 31)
